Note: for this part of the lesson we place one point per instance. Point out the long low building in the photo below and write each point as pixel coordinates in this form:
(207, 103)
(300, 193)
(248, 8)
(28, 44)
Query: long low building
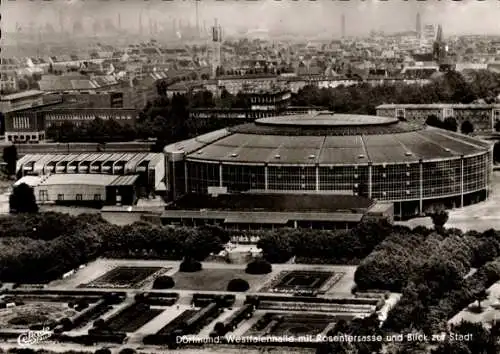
(148, 166)
(483, 117)
(83, 188)
(29, 125)
(250, 211)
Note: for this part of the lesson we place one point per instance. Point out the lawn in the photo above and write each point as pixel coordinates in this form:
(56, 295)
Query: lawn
(215, 279)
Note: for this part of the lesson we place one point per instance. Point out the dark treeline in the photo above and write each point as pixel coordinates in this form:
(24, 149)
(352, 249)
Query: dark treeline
(318, 246)
(450, 87)
(41, 247)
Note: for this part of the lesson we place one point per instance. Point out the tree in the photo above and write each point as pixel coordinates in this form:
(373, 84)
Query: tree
(481, 296)
(450, 124)
(189, 265)
(481, 341)
(23, 84)
(163, 282)
(497, 126)
(434, 121)
(99, 323)
(22, 200)
(239, 285)
(496, 152)
(103, 351)
(452, 348)
(467, 127)
(10, 158)
(161, 87)
(439, 216)
(258, 266)
(128, 351)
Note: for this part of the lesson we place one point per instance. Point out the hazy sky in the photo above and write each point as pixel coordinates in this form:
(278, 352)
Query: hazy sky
(467, 16)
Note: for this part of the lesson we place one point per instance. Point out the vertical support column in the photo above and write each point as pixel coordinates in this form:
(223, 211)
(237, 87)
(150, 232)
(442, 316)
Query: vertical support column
(488, 170)
(174, 191)
(186, 188)
(167, 171)
(421, 186)
(317, 178)
(462, 181)
(220, 175)
(493, 120)
(266, 183)
(370, 169)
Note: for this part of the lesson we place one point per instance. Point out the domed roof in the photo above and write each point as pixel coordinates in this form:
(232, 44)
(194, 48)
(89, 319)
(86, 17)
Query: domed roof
(328, 139)
(325, 123)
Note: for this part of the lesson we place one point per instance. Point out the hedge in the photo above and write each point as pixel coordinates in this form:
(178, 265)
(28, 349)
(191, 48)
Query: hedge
(259, 266)
(239, 285)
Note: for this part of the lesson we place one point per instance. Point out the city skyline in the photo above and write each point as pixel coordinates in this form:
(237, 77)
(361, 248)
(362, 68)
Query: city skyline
(284, 17)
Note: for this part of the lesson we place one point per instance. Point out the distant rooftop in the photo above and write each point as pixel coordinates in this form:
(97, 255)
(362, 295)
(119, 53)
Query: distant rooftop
(19, 95)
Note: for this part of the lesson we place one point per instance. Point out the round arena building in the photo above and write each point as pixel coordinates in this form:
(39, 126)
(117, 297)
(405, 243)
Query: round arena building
(412, 166)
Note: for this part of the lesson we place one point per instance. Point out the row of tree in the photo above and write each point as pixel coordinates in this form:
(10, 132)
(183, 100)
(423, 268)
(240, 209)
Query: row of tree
(451, 124)
(402, 257)
(96, 130)
(451, 87)
(325, 246)
(430, 300)
(41, 247)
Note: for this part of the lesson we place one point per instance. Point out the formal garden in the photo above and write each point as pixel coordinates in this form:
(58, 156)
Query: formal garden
(28, 314)
(281, 324)
(56, 310)
(125, 277)
(302, 281)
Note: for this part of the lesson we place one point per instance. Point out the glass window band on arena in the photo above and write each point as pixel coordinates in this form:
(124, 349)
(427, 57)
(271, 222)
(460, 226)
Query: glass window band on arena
(423, 171)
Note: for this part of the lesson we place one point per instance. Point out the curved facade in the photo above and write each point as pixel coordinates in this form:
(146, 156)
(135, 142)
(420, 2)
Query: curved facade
(381, 158)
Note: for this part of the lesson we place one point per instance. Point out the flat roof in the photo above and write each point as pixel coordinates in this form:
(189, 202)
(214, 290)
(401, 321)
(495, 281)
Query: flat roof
(19, 95)
(29, 180)
(255, 217)
(79, 179)
(274, 202)
(326, 119)
(440, 105)
(252, 218)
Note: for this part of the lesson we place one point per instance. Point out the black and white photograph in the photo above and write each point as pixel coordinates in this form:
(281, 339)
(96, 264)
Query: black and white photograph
(254, 177)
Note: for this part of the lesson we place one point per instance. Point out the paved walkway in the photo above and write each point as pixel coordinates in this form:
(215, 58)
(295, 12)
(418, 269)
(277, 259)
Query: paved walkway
(481, 216)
